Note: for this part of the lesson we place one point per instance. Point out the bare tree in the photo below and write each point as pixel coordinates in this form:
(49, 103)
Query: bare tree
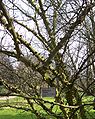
(51, 32)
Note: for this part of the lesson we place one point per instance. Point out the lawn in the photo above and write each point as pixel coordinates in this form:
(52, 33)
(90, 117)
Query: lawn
(15, 114)
(8, 113)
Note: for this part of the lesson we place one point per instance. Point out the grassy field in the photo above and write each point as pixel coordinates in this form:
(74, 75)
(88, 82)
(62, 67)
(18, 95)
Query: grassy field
(8, 113)
(14, 114)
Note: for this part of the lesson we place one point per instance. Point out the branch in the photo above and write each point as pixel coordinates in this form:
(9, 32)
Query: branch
(9, 25)
(37, 35)
(67, 36)
(81, 68)
(16, 107)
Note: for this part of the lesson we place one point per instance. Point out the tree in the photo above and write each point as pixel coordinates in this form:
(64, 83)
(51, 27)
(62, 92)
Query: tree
(6, 70)
(51, 32)
(30, 81)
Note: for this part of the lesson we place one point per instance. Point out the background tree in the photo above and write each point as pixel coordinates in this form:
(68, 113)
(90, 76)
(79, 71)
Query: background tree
(52, 32)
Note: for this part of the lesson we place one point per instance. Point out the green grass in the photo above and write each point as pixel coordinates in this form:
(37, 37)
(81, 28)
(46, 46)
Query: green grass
(15, 114)
(8, 113)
